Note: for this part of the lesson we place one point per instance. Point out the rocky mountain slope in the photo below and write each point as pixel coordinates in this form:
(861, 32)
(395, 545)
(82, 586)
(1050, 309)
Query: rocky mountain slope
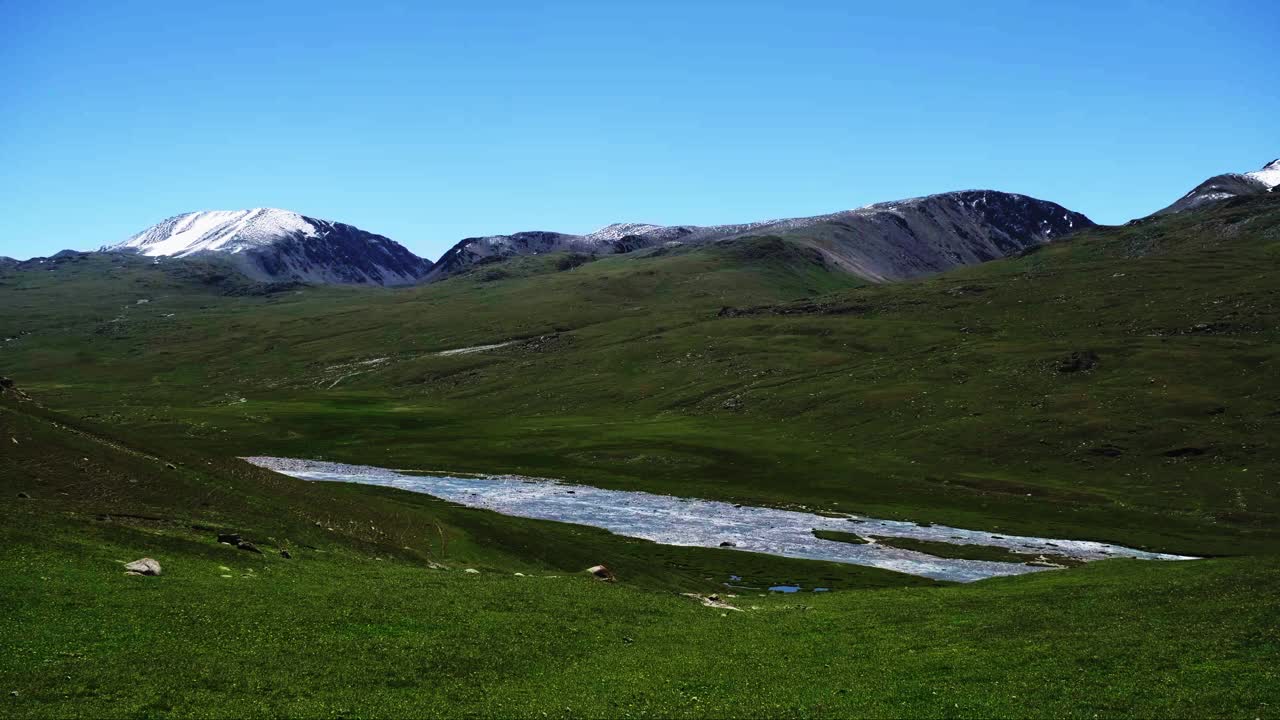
(1227, 186)
(274, 245)
(921, 236)
(885, 241)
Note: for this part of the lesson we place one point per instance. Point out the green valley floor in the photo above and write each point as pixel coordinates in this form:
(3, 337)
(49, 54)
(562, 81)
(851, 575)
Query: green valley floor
(1119, 386)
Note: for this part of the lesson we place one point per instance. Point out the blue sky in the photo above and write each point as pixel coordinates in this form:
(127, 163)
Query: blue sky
(429, 122)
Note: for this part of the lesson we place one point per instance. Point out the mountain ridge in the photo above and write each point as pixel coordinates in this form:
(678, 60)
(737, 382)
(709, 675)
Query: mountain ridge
(881, 242)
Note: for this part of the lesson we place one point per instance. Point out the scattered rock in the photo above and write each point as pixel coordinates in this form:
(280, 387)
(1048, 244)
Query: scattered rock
(248, 547)
(145, 566)
(712, 601)
(542, 343)
(602, 572)
(1079, 361)
(229, 538)
(285, 554)
(472, 571)
(967, 290)
(733, 403)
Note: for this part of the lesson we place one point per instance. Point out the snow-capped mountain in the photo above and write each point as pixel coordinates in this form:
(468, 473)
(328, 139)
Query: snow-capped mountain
(272, 245)
(1269, 175)
(885, 241)
(1227, 186)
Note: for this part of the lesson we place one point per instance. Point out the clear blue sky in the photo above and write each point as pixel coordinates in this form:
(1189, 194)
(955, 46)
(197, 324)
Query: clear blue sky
(433, 121)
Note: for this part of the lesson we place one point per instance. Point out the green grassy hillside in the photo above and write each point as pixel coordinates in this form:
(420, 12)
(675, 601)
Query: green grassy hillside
(373, 614)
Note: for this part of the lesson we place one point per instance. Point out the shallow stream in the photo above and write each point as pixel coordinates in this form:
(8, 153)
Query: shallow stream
(711, 523)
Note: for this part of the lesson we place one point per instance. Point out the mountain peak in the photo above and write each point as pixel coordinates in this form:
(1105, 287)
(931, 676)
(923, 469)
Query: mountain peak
(1227, 186)
(1269, 175)
(273, 244)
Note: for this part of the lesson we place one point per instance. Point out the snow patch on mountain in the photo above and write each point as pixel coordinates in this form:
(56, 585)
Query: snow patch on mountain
(617, 231)
(217, 230)
(1269, 175)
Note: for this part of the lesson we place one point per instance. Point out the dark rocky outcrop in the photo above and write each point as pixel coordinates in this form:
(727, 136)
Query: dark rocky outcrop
(8, 387)
(1078, 361)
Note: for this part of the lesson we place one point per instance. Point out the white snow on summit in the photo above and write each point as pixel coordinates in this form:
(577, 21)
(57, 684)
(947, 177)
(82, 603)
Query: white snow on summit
(617, 231)
(1269, 175)
(217, 230)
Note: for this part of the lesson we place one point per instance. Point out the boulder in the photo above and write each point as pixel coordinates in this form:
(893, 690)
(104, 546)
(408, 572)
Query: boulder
(8, 386)
(248, 547)
(602, 572)
(145, 566)
(229, 538)
(1079, 361)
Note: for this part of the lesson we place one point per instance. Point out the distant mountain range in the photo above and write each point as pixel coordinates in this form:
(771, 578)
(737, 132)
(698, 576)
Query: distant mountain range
(881, 242)
(885, 241)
